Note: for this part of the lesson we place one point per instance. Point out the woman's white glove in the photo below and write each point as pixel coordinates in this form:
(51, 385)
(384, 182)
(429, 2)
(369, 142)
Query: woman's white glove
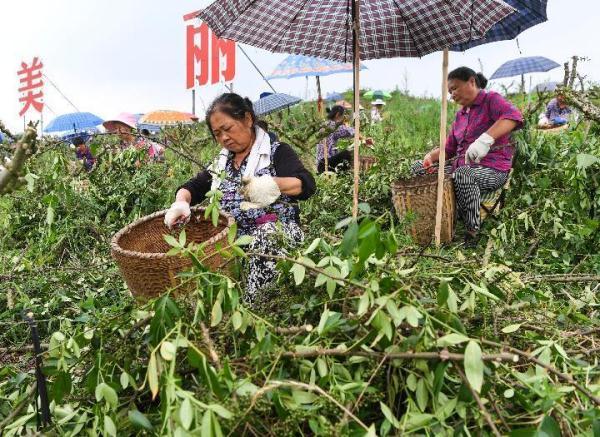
(259, 192)
(479, 148)
(178, 212)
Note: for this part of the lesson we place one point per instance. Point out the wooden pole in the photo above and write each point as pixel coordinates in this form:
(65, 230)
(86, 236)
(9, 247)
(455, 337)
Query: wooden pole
(442, 158)
(356, 62)
(319, 96)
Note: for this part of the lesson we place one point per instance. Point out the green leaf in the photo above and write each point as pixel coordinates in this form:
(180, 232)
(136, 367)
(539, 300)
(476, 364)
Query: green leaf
(412, 315)
(303, 397)
(50, 215)
(442, 295)
(186, 413)
(244, 240)
(321, 367)
(298, 271)
(451, 340)
(206, 427)
(389, 415)
(166, 314)
(422, 395)
(363, 304)
(30, 178)
(168, 351)
(474, 365)
(220, 410)
(182, 238)
(585, 160)
(313, 246)
(509, 393)
(216, 315)
(109, 427)
(511, 328)
(236, 320)
(171, 241)
(153, 376)
(350, 239)
(61, 386)
(139, 420)
(106, 392)
(549, 428)
(124, 380)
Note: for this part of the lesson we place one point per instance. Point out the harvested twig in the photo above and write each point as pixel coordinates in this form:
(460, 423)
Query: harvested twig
(214, 357)
(484, 411)
(290, 330)
(443, 355)
(563, 278)
(565, 377)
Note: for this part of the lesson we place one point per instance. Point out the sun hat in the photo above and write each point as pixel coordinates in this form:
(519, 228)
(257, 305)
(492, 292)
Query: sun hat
(125, 118)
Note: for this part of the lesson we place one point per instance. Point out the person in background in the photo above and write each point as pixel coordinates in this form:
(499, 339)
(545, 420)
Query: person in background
(156, 152)
(263, 183)
(337, 160)
(557, 112)
(83, 152)
(376, 111)
(480, 143)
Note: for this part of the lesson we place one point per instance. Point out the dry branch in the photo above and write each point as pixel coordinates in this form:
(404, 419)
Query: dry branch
(10, 176)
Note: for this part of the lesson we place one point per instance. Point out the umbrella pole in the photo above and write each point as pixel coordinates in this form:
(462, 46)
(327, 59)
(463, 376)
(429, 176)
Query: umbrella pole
(319, 97)
(442, 158)
(356, 67)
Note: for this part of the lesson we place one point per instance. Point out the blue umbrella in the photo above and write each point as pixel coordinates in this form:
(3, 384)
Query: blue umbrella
(299, 66)
(520, 66)
(274, 102)
(528, 14)
(73, 122)
(334, 96)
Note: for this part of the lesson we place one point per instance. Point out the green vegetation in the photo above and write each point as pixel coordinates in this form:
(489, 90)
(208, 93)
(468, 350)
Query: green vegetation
(367, 334)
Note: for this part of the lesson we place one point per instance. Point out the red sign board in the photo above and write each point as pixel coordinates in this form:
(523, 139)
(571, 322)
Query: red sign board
(209, 59)
(31, 84)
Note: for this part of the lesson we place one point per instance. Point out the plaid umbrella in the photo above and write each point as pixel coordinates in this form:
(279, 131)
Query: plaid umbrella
(274, 102)
(350, 30)
(74, 121)
(323, 28)
(298, 66)
(528, 14)
(520, 66)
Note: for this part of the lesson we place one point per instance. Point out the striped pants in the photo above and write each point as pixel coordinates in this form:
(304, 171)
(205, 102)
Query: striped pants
(469, 183)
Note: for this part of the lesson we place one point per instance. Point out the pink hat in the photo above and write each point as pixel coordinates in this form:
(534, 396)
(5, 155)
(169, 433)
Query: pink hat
(125, 118)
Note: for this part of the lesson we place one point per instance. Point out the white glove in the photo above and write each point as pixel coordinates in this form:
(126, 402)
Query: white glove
(479, 148)
(259, 192)
(178, 212)
(543, 120)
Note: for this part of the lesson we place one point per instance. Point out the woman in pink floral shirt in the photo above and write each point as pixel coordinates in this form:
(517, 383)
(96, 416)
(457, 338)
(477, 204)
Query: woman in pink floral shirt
(480, 143)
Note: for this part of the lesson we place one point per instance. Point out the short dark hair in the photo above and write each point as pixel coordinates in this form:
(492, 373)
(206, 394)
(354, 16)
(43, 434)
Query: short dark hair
(466, 73)
(335, 111)
(233, 105)
(77, 141)
(145, 132)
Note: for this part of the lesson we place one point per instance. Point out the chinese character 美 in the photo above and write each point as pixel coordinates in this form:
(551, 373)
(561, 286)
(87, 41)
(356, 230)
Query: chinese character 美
(31, 78)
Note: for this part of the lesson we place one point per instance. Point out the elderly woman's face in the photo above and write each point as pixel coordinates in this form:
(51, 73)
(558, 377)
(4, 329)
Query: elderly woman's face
(235, 135)
(463, 92)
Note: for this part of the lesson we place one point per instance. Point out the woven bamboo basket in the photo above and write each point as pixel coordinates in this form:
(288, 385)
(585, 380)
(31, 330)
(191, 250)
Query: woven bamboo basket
(419, 196)
(366, 162)
(140, 251)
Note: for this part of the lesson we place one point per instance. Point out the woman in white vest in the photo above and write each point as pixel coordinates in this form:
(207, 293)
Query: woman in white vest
(262, 184)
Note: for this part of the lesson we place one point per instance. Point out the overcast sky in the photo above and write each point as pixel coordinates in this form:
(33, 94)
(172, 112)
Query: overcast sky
(113, 56)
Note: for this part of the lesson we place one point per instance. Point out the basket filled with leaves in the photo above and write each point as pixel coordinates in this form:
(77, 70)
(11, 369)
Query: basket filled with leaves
(418, 196)
(140, 250)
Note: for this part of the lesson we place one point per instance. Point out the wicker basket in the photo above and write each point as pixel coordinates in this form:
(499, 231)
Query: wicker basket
(140, 251)
(366, 162)
(419, 196)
